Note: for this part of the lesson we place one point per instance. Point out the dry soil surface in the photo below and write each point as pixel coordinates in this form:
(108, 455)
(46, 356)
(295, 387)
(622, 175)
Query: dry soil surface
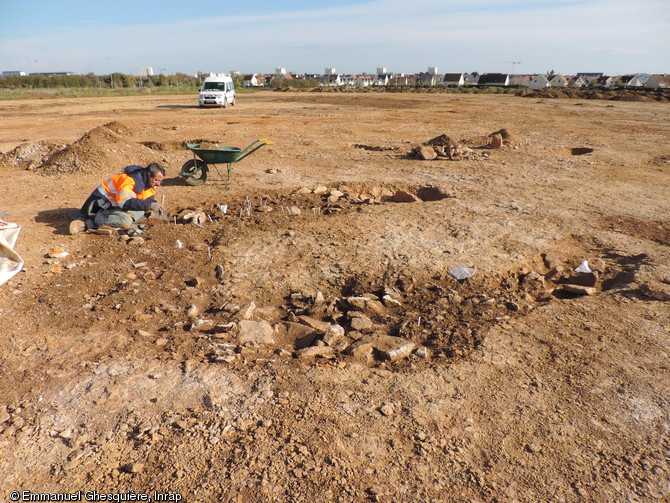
(311, 343)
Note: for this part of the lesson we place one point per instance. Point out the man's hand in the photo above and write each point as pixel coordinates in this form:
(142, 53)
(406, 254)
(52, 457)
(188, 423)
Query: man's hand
(158, 209)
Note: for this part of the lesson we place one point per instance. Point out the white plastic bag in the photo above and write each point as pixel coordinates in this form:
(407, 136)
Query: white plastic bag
(10, 261)
(583, 267)
(462, 273)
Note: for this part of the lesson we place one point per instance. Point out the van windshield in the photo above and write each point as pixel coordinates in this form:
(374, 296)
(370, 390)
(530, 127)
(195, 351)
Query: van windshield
(214, 86)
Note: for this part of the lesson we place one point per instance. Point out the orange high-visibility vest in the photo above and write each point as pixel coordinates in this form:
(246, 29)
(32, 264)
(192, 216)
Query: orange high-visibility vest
(119, 188)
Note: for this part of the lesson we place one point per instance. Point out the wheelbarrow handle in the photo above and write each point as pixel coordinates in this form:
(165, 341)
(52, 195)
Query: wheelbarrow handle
(249, 150)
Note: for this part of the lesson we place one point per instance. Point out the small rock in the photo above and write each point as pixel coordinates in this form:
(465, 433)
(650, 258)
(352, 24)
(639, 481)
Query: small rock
(390, 301)
(302, 335)
(192, 311)
(360, 350)
(580, 290)
(422, 352)
(584, 279)
(333, 335)
(225, 328)
(247, 311)
(293, 210)
(496, 141)
(361, 322)
(317, 351)
(656, 290)
(533, 447)
(387, 410)
(318, 325)
(219, 270)
(425, 153)
(136, 240)
(134, 468)
(374, 490)
(551, 260)
(555, 272)
(259, 332)
(597, 265)
(392, 348)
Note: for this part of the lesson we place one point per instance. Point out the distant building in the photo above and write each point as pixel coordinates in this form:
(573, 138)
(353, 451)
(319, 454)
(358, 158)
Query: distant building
(432, 70)
(539, 82)
(658, 81)
(606, 82)
(520, 80)
(453, 79)
(252, 80)
(426, 79)
(146, 71)
(364, 81)
(588, 77)
(330, 71)
(381, 70)
(14, 74)
(280, 70)
(51, 74)
(558, 81)
(493, 79)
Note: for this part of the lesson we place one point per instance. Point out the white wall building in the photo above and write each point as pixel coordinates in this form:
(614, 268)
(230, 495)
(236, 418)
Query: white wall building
(280, 70)
(539, 82)
(146, 71)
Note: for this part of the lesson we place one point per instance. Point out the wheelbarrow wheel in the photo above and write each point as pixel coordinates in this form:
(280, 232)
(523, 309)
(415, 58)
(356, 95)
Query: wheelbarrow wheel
(195, 172)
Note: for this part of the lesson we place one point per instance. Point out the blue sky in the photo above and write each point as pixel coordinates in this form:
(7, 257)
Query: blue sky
(353, 36)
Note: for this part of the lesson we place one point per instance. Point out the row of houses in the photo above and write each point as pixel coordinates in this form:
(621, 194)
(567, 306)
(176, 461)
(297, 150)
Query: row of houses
(430, 79)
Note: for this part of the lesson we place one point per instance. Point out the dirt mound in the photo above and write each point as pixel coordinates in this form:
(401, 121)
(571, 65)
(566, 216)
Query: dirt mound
(632, 96)
(30, 155)
(102, 149)
(118, 128)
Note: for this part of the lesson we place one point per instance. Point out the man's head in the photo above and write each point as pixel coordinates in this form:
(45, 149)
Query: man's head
(156, 174)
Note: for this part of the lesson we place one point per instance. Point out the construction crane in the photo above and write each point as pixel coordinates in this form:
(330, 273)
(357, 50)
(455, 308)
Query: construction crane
(513, 63)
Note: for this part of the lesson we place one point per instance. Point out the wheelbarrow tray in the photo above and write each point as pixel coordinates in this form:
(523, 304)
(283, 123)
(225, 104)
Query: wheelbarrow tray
(217, 155)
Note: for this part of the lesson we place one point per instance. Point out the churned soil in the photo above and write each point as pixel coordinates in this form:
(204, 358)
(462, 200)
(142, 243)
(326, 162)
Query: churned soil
(344, 320)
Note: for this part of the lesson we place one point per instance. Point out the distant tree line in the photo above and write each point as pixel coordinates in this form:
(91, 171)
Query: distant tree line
(115, 80)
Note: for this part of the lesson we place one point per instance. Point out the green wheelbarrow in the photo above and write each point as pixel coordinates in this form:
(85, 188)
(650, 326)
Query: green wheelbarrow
(196, 171)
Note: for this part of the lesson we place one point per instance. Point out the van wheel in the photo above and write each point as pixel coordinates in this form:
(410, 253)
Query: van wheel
(225, 103)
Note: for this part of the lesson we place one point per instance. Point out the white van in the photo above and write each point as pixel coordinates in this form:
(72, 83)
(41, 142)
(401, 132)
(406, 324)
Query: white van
(218, 91)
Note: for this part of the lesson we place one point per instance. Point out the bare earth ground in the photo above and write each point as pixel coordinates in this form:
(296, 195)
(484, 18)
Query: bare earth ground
(261, 361)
